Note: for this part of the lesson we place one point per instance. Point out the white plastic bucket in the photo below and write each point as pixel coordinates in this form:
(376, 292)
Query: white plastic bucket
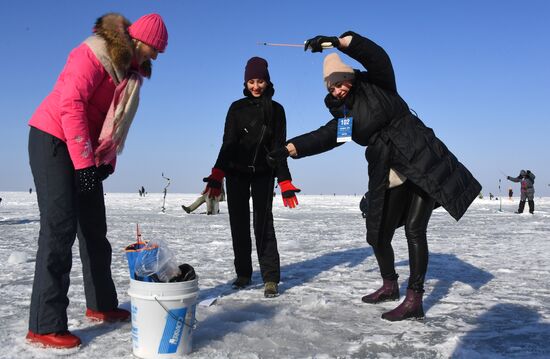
(163, 317)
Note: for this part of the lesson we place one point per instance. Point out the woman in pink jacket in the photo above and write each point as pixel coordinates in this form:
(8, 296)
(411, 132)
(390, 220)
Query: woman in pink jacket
(75, 136)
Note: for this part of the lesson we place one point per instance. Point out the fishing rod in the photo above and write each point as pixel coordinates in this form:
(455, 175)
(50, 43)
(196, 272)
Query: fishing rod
(165, 191)
(281, 45)
(138, 235)
(324, 45)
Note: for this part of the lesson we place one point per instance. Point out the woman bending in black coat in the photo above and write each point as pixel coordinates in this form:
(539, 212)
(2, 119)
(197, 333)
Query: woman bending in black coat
(410, 169)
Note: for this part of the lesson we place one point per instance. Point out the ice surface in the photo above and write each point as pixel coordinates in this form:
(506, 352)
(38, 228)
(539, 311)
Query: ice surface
(487, 287)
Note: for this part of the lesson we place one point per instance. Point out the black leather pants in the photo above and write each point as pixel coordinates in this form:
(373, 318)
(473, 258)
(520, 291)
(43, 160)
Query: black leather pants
(409, 205)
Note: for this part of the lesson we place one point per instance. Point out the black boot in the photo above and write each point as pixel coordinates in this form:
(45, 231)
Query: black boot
(521, 206)
(531, 206)
(410, 308)
(241, 282)
(388, 291)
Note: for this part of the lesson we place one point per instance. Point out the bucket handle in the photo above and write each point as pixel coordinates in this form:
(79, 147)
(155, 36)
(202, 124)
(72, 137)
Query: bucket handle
(192, 325)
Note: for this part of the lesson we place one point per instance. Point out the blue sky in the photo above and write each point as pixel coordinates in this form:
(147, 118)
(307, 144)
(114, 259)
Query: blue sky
(477, 72)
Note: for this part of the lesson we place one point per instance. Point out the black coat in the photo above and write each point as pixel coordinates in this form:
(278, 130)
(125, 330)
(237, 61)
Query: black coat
(253, 127)
(395, 138)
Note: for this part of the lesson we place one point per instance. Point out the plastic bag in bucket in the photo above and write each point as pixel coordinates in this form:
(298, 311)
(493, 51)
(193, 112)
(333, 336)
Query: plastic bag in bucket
(132, 252)
(157, 262)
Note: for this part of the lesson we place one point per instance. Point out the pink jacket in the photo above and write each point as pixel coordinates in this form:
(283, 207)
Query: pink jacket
(76, 108)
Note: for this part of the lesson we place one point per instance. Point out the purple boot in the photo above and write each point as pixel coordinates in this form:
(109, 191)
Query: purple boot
(410, 308)
(388, 291)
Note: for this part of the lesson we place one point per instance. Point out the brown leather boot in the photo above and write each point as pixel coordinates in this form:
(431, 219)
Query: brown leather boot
(388, 291)
(410, 308)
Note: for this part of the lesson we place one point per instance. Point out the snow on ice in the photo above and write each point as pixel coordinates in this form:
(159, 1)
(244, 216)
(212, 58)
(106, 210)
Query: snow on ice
(487, 288)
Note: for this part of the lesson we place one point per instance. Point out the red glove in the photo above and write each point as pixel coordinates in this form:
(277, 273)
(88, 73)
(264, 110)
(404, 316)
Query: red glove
(214, 183)
(288, 191)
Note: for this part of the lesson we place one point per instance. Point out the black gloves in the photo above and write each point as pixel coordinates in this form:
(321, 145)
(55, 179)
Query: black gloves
(276, 156)
(87, 180)
(104, 171)
(316, 43)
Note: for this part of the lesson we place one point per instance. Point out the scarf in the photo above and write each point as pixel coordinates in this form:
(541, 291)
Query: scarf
(123, 106)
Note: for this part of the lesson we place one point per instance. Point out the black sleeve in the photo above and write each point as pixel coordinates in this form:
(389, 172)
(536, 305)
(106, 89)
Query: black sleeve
(282, 172)
(321, 140)
(230, 141)
(373, 58)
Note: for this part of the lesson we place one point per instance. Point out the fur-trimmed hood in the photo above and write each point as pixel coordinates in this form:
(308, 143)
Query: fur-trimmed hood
(113, 28)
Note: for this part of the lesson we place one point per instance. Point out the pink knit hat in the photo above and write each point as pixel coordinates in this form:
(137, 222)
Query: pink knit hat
(151, 30)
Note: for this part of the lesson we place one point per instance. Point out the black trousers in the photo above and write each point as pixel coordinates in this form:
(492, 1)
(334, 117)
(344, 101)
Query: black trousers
(63, 215)
(239, 190)
(410, 205)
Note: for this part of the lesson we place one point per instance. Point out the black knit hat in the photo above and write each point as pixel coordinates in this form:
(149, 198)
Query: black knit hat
(256, 68)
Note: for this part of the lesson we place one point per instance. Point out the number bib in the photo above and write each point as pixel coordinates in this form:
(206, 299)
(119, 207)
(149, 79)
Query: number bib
(345, 125)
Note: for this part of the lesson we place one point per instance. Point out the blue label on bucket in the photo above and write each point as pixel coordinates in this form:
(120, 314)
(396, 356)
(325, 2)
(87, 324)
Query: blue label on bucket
(175, 323)
(135, 331)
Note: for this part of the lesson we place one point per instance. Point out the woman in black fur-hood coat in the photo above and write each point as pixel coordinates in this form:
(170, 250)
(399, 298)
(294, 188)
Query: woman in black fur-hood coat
(410, 169)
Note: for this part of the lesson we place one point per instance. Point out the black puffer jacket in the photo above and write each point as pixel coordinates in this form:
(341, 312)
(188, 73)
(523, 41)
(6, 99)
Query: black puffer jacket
(253, 127)
(395, 138)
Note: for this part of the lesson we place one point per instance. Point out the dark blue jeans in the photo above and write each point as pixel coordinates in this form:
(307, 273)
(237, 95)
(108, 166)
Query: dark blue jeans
(63, 215)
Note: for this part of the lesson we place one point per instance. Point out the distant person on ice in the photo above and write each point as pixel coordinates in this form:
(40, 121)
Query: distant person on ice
(410, 169)
(527, 180)
(141, 191)
(75, 136)
(254, 126)
(212, 203)
(510, 193)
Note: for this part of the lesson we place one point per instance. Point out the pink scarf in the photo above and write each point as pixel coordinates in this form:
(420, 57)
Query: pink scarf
(118, 120)
(123, 106)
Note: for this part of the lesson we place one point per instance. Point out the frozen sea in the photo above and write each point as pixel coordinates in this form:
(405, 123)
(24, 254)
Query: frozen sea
(487, 287)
